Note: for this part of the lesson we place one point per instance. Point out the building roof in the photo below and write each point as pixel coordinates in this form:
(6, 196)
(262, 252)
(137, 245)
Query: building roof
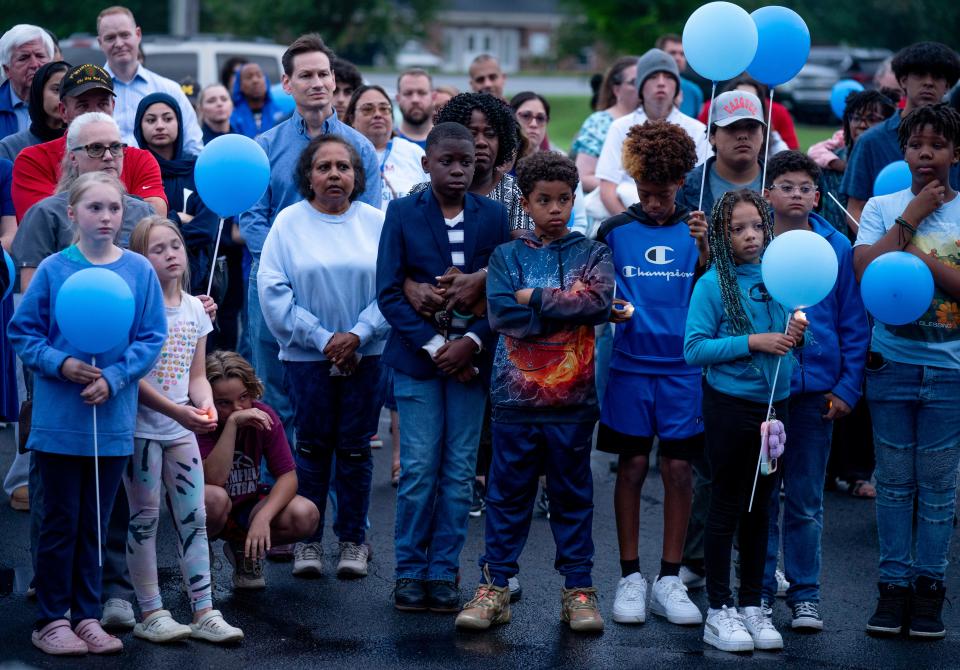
(503, 6)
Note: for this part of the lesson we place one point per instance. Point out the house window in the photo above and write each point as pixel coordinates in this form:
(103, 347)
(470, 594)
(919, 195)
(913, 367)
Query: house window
(470, 43)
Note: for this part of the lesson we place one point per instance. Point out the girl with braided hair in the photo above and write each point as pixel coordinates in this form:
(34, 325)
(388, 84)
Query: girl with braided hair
(735, 331)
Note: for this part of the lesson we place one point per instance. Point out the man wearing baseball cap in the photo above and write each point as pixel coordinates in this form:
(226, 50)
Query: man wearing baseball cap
(737, 129)
(36, 172)
(658, 82)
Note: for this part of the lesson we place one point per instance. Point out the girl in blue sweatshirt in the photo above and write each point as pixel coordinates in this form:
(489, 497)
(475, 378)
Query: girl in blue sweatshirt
(66, 387)
(735, 331)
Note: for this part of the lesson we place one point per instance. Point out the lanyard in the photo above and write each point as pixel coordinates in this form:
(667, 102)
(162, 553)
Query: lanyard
(386, 155)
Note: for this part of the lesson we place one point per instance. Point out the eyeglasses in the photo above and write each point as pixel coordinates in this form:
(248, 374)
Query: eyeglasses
(96, 149)
(527, 117)
(371, 109)
(788, 189)
(872, 119)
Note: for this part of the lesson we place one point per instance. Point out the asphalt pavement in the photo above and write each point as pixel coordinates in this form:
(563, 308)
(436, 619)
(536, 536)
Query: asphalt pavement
(326, 622)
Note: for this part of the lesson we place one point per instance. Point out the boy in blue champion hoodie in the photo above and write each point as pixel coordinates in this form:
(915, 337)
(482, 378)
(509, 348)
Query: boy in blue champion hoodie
(826, 385)
(545, 293)
(659, 249)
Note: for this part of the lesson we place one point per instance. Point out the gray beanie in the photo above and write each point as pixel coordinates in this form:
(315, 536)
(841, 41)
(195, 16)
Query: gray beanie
(654, 61)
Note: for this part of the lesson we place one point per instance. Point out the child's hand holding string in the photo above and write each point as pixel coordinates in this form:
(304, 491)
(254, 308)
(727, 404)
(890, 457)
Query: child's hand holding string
(697, 222)
(79, 372)
(96, 393)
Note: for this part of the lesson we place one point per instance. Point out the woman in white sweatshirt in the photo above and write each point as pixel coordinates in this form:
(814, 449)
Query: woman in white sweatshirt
(317, 286)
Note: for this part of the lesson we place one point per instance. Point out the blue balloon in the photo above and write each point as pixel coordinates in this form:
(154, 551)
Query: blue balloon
(897, 288)
(720, 40)
(232, 173)
(839, 93)
(799, 269)
(11, 273)
(783, 45)
(283, 99)
(892, 178)
(94, 310)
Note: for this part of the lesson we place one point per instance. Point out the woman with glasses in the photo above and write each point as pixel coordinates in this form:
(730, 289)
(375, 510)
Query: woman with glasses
(371, 113)
(532, 112)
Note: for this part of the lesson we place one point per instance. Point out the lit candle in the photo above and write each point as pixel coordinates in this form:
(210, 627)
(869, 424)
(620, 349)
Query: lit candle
(800, 315)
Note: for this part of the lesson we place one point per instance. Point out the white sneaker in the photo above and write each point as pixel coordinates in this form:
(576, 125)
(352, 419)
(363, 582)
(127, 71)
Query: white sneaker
(724, 630)
(691, 579)
(308, 559)
(761, 629)
(353, 560)
(516, 591)
(630, 603)
(161, 627)
(117, 613)
(670, 600)
(782, 584)
(213, 628)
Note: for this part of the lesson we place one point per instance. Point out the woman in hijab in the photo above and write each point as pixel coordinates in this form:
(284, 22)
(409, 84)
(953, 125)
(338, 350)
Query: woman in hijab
(157, 128)
(46, 124)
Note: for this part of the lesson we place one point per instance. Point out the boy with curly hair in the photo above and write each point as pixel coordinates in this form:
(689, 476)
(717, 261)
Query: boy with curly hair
(545, 293)
(659, 249)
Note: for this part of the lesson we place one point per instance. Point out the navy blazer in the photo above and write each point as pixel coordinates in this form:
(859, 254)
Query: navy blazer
(414, 244)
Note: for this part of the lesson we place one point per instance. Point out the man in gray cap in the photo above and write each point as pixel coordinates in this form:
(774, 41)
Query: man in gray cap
(658, 82)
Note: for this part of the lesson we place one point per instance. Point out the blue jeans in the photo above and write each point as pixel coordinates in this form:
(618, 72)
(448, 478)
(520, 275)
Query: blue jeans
(336, 415)
(916, 432)
(266, 358)
(441, 421)
(802, 469)
(521, 451)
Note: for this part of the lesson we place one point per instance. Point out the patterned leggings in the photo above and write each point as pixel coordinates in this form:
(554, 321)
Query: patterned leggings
(177, 464)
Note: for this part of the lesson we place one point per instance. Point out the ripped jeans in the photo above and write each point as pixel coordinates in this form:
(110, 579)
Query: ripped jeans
(176, 464)
(916, 428)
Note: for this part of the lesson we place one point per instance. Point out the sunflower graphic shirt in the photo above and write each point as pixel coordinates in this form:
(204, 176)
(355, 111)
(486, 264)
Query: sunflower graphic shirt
(934, 338)
(543, 367)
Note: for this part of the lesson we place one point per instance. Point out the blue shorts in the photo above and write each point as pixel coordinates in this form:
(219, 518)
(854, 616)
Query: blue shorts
(639, 407)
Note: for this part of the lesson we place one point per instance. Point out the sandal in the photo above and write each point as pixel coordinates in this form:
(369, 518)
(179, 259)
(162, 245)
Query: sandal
(161, 627)
(863, 489)
(98, 640)
(57, 639)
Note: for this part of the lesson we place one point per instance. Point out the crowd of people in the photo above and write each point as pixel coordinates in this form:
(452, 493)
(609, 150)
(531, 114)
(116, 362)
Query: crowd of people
(433, 253)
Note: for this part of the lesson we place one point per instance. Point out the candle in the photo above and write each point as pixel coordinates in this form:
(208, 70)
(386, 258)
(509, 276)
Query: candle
(800, 315)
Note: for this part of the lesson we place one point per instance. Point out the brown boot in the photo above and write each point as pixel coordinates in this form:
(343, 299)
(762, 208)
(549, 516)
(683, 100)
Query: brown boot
(490, 606)
(580, 610)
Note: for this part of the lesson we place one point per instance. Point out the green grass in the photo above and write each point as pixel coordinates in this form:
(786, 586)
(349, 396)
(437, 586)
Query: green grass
(568, 112)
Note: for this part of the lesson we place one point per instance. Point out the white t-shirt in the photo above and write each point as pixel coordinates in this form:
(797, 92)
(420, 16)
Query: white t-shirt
(610, 163)
(402, 169)
(170, 375)
(934, 338)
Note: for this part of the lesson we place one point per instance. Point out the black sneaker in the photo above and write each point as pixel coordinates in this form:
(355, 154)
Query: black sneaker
(479, 504)
(806, 616)
(443, 596)
(410, 595)
(925, 609)
(892, 609)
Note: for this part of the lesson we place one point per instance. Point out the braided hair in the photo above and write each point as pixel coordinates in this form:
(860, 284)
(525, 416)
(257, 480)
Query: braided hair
(942, 118)
(721, 254)
(498, 114)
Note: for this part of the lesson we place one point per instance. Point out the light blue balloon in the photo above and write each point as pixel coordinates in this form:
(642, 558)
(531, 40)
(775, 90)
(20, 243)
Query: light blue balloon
(283, 99)
(839, 93)
(799, 269)
(232, 173)
(892, 178)
(11, 273)
(782, 47)
(897, 288)
(94, 310)
(720, 40)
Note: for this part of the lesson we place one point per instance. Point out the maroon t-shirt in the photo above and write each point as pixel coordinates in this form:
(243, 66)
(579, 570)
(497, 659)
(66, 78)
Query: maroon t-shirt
(252, 446)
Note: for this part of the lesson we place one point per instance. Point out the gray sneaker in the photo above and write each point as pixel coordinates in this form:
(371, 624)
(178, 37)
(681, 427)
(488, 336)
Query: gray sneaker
(308, 559)
(353, 560)
(117, 613)
(247, 572)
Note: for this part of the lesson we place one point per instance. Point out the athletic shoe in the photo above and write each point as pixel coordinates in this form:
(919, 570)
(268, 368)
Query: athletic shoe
(213, 628)
(892, 608)
(765, 635)
(579, 608)
(692, 579)
(767, 607)
(782, 583)
(117, 613)
(308, 559)
(247, 572)
(161, 627)
(806, 616)
(490, 606)
(478, 505)
(724, 629)
(630, 603)
(280, 553)
(516, 591)
(925, 609)
(670, 600)
(353, 560)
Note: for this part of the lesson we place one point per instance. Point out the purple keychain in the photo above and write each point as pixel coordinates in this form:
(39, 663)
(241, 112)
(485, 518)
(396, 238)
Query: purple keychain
(773, 440)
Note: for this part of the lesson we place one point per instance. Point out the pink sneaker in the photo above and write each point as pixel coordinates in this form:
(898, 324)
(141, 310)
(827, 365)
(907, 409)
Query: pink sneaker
(98, 640)
(57, 639)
